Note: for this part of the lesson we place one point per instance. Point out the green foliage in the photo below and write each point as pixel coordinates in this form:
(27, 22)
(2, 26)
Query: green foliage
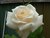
(8, 36)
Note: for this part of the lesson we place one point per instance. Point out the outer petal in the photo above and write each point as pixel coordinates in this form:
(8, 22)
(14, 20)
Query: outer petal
(17, 21)
(9, 17)
(38, 23)
(26, 26)
(39, 20)
(9, 22)
(16, 8)
(32, 8)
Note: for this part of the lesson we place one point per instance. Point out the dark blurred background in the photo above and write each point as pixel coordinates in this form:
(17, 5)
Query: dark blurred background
(15, 1)
(42, 8)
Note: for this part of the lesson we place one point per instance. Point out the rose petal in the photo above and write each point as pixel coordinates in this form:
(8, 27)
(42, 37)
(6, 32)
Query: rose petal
(39, 20)
(9, 17)
(32, 8)
(26, 26)
(17, 21)
(38, 23)
(9, 22)
(16, 8)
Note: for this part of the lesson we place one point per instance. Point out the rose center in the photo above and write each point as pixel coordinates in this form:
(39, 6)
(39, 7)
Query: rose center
(22, 13)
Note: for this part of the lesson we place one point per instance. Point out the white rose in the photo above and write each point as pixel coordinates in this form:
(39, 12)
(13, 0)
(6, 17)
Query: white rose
(24, 17)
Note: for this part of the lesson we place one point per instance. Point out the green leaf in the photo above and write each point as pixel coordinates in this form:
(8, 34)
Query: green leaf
(13, 36)
(7, 36)
(36, 33)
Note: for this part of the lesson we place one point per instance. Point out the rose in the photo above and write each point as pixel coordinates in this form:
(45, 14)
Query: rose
(24, 18)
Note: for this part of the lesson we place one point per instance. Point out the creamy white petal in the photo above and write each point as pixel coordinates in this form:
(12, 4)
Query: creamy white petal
(16, 8)
(38, 23)
(17, 21)
(9, 17)
(39, 20)
(13, 10)
(9, 22)
(26, 26)
(32, 8)
(11, 25)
